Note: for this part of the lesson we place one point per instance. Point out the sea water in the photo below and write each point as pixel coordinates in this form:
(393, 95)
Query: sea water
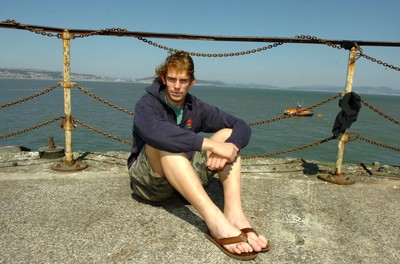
(247, 103)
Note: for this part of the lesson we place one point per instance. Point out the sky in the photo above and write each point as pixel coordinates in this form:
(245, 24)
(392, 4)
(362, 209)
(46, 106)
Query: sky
(285, 66)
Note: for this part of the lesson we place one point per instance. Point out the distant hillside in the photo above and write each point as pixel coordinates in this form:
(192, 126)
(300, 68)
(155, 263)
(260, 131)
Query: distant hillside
(7, 73)
(34, 74)
(358, 89)
(149, 80)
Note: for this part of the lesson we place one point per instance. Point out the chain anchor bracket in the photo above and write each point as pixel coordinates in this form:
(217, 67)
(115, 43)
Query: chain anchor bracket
(64, 166)
(340, 179)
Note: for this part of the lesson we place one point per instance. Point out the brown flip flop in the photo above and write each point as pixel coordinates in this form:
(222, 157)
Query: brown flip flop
(250, 230)
(232, 240)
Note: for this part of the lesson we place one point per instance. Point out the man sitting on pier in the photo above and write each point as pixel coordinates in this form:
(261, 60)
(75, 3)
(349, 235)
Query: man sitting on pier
(169, 155)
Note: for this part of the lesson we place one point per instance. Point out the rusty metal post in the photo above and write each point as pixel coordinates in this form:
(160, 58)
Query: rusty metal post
(338, 177)
(69, 164)
(340, 154)
(69, 160)
(348, 89)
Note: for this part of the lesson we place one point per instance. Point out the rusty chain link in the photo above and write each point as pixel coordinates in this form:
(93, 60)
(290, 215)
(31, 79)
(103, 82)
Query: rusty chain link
(212, 55)
(376, 110)
(290, 150)
(358, 136)
(31, 128)
(101, 132)
(319, 40)
(359, 54)
(378, 143)
(324, 101)
(390, 66)
(30, 97)
(100, 32)
(102, 100)
(261, 122)
(39, 31)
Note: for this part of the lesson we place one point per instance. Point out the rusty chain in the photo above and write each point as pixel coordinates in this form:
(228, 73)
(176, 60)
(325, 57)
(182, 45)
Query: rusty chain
(102, 133)
(211, 55)
(324, 101)
(359, 54)
(30, 97)
(376, 110)
(390, 66)
(290, 150)
(358, 136)
(261, 122)
(31, 128)
(378, 143)
(319, 40)
(38, 31)
(100, 32)
(241, 53)
(102, 100)
(59, 35)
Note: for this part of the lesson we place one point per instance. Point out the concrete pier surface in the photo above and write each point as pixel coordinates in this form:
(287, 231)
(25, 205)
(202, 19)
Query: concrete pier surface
(90, 216)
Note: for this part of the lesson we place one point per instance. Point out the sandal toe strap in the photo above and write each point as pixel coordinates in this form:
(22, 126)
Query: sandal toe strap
(232, 240)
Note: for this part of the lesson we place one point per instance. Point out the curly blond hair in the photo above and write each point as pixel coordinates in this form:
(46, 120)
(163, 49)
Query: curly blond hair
(181, 61)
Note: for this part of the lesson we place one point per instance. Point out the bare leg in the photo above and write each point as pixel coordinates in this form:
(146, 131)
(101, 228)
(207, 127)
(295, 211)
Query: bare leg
(230, 178)
(181, 175)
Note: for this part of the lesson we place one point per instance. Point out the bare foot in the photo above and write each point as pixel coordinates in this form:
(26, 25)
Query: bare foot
(225, 230)
(257, 242)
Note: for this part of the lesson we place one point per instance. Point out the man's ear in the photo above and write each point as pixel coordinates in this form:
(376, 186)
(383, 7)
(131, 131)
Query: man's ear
(193, 82)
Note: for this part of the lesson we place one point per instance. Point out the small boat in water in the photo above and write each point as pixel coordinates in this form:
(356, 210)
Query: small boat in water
(298, 111)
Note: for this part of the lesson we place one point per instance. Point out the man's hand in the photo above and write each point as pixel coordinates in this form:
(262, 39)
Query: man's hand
(225, 150)
(215, 162)
(221, 154)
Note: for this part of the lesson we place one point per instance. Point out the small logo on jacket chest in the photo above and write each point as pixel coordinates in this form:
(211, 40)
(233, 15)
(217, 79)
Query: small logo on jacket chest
(189, 123)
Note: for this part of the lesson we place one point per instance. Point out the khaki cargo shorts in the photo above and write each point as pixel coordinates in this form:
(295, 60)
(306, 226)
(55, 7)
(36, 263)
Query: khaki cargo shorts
(157, 189)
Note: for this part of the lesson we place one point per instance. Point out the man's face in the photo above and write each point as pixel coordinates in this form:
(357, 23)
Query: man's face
(177, 84)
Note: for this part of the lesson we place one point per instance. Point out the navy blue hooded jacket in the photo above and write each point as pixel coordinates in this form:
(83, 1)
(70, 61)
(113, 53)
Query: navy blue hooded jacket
(155, 124)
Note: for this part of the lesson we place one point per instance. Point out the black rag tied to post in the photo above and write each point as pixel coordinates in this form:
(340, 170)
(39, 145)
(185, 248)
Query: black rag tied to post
(350, 104)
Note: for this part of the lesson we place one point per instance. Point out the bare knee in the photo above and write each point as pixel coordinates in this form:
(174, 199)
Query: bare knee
(154, 157)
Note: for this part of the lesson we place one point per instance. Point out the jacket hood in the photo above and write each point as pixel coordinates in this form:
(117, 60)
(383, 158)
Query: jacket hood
(157, 91)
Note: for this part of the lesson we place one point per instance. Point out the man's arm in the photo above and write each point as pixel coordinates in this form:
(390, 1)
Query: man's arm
(221, 153)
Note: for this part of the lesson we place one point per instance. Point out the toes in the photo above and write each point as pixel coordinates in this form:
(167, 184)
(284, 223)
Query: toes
(241, 248)
(257, 242)
(264, 240)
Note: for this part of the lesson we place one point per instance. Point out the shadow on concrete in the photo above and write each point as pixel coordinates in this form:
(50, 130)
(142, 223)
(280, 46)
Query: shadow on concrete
(178, 206)
(310, 169)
